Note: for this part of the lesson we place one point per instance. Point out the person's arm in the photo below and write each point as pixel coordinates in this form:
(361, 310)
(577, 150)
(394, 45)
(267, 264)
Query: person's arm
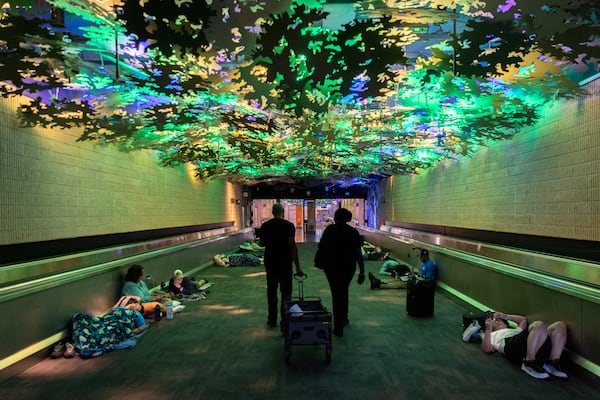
(486, 343)
(294, 254)
(361, 263)
(520, 320)
(188, 287)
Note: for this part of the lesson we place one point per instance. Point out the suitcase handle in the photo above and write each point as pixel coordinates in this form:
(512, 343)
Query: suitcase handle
(300, 277)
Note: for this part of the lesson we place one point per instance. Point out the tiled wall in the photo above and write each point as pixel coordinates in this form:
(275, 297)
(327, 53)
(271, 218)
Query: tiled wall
(545, 181)
(52, 187)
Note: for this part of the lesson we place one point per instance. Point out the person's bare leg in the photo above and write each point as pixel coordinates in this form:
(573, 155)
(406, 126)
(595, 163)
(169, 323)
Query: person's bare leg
(536, 338)
(558, 337)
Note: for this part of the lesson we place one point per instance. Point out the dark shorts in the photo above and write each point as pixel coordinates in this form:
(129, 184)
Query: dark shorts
(515, 348)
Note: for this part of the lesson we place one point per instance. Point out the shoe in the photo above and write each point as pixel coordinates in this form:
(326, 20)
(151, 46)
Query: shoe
(271, 323)
(471, 329)
(59, 350)
(338, 332)
(375, 283)
(533, 369)
(553, 368)
(69, 351)
(179, 308)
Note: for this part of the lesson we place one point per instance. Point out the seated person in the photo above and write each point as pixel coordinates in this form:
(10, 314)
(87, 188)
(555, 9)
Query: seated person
(427, 272)
(180, 285)
(134, 284)
(530, 345)
(237, 260)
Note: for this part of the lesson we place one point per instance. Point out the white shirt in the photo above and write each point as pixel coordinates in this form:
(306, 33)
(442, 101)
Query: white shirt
(497, 338)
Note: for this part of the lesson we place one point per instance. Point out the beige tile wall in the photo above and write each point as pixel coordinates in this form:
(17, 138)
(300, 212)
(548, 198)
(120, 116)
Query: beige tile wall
(52, 187)
(545, 181)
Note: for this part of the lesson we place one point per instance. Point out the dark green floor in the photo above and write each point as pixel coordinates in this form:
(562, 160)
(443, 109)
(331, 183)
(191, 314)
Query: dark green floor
(220, 348)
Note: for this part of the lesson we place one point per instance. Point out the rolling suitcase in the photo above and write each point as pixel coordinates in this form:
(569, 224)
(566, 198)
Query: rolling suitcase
(420, 296)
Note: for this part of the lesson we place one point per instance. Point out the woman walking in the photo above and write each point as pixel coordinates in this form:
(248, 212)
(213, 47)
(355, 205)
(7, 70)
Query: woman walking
(340, 249)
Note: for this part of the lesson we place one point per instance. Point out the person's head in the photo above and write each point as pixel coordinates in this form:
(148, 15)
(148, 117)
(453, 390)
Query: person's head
(342, 216)
(424, 255)
(135, 306)
(277, 210)
(177, 276)
(135, 273)
(498, 324)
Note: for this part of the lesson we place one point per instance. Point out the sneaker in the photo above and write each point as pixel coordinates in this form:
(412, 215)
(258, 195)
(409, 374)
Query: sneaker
(533, 369)
(179, 308)
(471, 329)
(59, 350)
(69, 351)
(375, 283)
(553, 368)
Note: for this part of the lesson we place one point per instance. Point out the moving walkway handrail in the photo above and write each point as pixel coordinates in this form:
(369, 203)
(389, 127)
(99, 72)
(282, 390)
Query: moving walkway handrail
(548, 270)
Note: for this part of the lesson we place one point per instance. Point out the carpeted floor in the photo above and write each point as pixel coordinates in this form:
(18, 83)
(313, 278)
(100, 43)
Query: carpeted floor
(221, 348)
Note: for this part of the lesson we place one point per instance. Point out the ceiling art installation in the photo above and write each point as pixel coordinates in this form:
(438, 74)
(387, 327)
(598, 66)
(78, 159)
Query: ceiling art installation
(289, 90)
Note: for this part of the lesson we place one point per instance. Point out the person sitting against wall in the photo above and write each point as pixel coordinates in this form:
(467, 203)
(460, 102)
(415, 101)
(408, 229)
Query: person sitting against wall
(134, 284)
(530, 345)
(427, 272)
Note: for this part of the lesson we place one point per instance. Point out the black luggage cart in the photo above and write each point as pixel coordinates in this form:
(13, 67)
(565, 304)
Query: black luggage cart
(306, 322)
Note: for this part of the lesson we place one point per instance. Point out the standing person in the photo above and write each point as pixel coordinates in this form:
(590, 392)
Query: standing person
(278, 237)
(341, 244)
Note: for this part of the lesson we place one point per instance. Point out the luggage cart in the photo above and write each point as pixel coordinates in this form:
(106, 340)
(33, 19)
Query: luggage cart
(308, 325)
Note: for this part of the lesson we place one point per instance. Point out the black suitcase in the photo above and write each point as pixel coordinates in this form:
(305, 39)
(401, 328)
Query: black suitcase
(420, 296)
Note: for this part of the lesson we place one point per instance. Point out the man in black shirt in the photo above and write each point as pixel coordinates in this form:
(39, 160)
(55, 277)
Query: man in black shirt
(278, 237)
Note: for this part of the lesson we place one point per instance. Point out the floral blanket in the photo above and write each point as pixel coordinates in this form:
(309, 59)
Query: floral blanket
(94, 336)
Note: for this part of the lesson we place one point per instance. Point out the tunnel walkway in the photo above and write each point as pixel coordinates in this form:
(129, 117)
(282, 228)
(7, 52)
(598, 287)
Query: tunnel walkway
(221, 348)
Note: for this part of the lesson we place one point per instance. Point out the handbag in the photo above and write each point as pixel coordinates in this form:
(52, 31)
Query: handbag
(321, 258)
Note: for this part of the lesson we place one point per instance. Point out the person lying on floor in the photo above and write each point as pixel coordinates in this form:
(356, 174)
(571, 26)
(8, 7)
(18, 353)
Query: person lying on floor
(145, 308)
(117, 329)
(251, 245)
(427, 272)
(394, 269)
(237, 260)
(370, 252)
(537, 347)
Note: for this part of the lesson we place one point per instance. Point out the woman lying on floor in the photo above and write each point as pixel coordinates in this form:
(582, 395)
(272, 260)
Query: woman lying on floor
(117, 329)
(237, 260)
